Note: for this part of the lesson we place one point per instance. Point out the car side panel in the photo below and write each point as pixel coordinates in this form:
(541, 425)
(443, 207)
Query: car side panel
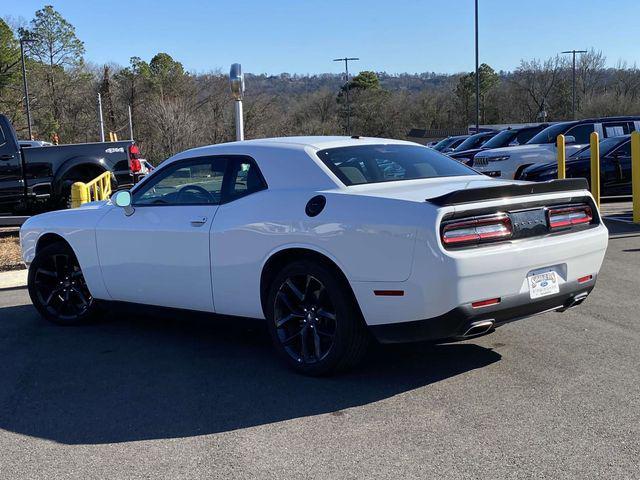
(370, 239)
(77, 227)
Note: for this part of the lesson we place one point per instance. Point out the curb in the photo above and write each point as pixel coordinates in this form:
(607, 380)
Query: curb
(13, 280)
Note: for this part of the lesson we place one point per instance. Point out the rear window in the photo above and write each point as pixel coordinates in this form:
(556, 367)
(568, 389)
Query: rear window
(387, 163)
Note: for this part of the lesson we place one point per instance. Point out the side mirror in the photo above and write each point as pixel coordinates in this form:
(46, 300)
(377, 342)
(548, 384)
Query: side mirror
(122, 199)
(569, 139)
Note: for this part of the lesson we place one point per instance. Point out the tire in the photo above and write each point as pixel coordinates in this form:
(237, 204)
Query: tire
(314, 321)
(57, 287)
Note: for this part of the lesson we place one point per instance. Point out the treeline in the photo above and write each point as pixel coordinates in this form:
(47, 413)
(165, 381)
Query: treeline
(174, 109)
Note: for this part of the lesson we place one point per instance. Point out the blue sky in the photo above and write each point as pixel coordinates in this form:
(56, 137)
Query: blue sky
(304, 36)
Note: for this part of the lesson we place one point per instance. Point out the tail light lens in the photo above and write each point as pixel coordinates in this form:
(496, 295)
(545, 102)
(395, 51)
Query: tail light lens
(134, 158)
(563, 217)
(477, 230)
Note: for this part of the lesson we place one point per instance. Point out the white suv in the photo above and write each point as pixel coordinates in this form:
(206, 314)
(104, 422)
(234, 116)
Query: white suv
(509, 162)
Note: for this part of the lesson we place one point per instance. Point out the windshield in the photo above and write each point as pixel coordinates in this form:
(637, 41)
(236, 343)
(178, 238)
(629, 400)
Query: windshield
(503, 139)
(386, 163)
(606, 146)
(550, 134)
(474, 141)
(444, 143)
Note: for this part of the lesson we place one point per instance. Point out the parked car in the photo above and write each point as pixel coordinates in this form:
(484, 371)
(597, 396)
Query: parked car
(505, 138)
(473, 141)
(330, 239)
(34, 179)
(449, 143)
(615, 167)
(34, 143)
(509, 162)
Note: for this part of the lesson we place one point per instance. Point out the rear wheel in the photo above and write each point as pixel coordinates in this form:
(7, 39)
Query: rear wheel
(313, 319)
(57, 287)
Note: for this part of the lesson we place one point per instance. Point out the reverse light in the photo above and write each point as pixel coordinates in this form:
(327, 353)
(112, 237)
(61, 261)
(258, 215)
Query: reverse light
(134, 158)
(477, 230)
(585, 279)
(569, 216)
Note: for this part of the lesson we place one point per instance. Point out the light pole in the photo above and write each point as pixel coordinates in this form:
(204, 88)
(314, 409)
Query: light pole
(477, 76)
(26, 86)
(573, 104)
(346, 61)
(236, 79)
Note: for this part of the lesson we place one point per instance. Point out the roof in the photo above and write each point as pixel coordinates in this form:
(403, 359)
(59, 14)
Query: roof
(317, 142)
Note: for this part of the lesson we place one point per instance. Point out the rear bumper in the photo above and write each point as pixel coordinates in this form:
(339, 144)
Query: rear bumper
(455, 323)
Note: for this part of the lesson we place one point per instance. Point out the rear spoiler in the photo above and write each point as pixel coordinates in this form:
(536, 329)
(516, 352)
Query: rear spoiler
(458, 197)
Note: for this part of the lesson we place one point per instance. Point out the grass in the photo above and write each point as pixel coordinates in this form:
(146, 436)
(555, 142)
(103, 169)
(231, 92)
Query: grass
(10, 257)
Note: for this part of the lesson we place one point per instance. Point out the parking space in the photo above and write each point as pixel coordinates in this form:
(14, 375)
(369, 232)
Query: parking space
(145, 396)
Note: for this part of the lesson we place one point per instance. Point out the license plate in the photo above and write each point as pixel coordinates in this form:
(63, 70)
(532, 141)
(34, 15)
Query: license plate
(543, 284)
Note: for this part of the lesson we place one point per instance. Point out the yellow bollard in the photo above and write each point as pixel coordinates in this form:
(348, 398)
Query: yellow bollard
(635, 175)
(115, 137)
(595, 167)
(79, 194)
(562, 157)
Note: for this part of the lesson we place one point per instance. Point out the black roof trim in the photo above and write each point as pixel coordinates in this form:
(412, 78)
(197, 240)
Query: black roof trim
(515, 190)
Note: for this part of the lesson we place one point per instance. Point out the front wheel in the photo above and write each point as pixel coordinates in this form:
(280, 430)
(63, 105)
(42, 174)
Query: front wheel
(314, 321)
(57, 287)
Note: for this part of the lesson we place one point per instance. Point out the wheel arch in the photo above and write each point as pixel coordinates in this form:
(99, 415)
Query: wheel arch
(286, 255)
(520, 169)
(84, 167)
(50, 238)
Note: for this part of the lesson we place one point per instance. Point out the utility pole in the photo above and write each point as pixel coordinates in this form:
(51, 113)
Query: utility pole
(130, 124)
(346, 61)
(26, 86)
(100, 118)
(573, 103)
(477, 76)
(236, 79)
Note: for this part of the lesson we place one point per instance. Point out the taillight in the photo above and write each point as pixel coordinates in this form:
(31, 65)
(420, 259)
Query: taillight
(477, 230)
(562, 217)
(134, 155)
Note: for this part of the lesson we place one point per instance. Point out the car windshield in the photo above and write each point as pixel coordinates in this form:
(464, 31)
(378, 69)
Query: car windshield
(502, 139)
(606, 146)
(474, 141)
(386, 163)
(444, 143)
(550, 134)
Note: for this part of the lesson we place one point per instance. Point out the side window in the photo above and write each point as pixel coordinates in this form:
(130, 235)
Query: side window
(188, 182)
(616, 129)
(623, 150)
(244, 178)
(581, 132)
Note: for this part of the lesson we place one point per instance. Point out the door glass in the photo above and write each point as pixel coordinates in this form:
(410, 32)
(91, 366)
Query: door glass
(581, 132)
(616, 129)
(244, 178)
(196, 182)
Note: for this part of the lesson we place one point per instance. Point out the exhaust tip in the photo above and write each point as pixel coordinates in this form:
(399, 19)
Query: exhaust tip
(478, 328)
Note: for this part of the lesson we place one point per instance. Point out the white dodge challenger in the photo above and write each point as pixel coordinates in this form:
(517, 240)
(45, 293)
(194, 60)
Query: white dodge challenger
(332, 240)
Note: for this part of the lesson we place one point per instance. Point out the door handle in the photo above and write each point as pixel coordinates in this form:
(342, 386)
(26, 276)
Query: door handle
(199, 222)
(7, 156)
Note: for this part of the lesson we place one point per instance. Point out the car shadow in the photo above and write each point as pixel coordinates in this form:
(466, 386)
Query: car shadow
(141, 375)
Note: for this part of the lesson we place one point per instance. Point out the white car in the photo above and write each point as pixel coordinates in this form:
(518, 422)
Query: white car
(510, 162)
(330, 239)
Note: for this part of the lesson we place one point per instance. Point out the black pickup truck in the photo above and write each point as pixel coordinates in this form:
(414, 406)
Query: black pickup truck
(39, 178)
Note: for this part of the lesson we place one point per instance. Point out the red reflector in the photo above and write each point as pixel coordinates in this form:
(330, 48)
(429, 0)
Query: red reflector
(389, 293)
(569, 216)
(485, 303)
(585, 279)
(134, 151)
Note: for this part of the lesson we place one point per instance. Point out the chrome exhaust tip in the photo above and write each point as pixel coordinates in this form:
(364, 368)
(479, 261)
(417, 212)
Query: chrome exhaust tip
(478, 328)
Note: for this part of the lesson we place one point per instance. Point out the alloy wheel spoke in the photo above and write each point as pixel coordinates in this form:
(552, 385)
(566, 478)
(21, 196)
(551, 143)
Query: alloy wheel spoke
(287, 303)
(316, 344)
(290, 339)
(326, 314)
(47, 273)
(294, 289)
(303, 343)
(80, 296)
(284, 320)
(61, 264)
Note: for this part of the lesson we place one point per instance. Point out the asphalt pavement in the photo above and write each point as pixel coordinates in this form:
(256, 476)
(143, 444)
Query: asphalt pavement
(147, 395)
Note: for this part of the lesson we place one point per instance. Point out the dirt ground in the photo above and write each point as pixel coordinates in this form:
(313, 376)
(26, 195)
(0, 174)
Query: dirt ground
(10, 258)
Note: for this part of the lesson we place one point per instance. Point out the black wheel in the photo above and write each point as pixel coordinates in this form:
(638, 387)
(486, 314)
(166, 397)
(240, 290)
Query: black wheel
(313, 319)
(57, 287)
